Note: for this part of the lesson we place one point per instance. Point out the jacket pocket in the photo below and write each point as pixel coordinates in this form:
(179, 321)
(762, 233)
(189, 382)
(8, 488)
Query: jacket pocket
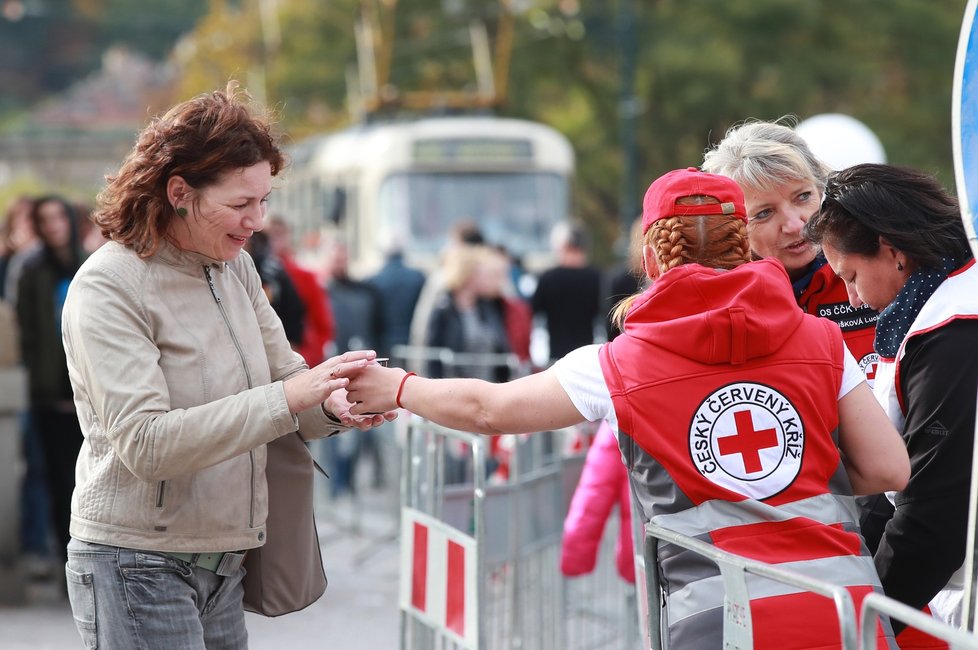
(161, 494)
(81, 595)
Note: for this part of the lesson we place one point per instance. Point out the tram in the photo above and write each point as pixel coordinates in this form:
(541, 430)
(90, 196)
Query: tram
(406, 183)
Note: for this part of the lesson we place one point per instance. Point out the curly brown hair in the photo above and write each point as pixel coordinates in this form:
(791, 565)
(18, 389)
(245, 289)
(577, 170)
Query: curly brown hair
(713, 240)
(199, 140)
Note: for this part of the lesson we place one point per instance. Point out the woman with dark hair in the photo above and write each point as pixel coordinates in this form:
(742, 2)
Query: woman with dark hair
(41, 292)
(718, 387)
(896, 238)
(185, 385)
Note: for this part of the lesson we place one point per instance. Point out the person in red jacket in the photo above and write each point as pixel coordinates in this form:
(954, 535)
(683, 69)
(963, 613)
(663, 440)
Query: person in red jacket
(603, 485)
(319, 328)
(742, 421)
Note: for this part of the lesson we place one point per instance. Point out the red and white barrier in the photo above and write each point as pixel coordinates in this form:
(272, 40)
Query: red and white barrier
(438, 576)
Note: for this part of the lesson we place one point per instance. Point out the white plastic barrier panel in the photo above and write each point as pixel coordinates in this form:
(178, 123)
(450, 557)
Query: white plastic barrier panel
(438, 576)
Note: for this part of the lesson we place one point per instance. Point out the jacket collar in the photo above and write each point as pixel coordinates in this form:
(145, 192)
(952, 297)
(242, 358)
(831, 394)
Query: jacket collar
(178, 257)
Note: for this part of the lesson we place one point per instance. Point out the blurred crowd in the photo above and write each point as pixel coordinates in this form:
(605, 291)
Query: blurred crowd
(474, 315)
(43, 241)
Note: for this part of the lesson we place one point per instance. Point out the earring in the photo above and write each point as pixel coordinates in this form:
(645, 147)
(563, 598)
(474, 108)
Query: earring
(181, 212)
(899, 266)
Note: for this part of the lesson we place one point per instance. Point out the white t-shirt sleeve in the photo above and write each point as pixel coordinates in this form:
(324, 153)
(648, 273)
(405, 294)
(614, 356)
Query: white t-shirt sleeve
(579, 373)
(852, 374)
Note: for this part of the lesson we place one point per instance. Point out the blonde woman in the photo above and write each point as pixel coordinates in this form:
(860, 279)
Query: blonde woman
(463, 319)
(783, 183)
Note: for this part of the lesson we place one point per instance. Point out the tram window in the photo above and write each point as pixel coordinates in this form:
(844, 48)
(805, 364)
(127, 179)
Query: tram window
(514, 209)
(334, 205)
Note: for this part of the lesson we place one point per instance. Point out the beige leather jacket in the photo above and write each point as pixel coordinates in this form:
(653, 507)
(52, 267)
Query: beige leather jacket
(177, 364)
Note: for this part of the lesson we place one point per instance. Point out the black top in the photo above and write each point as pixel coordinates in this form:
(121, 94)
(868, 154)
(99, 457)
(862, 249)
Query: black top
(283, 296)
(356, 313)
(482, 330)
(570, 299)
(923, 543)
(622, 285)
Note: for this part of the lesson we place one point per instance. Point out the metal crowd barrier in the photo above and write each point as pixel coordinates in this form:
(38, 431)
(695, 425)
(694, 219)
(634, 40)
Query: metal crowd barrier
(599, 608)
(417, 357)
(443, 534)
(368, 510)
(480, 560)
(737, 630)
(733, 569)
(876, 604)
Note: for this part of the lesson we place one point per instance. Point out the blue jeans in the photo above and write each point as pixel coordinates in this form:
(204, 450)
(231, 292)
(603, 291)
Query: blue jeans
(127, 599)
(35, 507)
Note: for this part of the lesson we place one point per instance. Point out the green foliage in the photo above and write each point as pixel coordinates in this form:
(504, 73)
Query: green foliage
(147, 27)
(57, 43)
(705, 65)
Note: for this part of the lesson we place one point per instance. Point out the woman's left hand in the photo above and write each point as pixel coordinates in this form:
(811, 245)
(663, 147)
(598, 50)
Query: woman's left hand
(314, 386)
(339, 405)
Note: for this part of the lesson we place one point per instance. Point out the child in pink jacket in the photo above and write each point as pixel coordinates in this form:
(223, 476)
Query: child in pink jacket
(604, 482)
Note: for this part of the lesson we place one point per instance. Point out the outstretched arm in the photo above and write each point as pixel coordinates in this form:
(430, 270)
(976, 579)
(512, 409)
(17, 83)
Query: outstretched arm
(534, 403)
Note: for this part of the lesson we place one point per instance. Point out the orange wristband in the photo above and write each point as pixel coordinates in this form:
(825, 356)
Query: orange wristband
(400, 388)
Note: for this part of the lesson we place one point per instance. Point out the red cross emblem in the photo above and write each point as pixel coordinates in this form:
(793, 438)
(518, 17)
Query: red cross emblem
(747, 442)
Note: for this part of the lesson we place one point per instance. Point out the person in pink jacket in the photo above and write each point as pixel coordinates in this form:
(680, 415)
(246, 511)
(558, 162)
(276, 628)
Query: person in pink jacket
(603, 483)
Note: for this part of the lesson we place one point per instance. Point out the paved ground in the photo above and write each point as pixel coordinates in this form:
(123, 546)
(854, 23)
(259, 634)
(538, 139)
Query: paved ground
(359, 609)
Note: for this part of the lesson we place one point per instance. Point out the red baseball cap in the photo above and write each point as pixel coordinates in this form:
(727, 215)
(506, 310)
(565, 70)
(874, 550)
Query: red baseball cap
(661, 197)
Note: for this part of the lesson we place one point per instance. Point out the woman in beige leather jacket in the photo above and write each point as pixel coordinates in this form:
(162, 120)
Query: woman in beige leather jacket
(182, 374)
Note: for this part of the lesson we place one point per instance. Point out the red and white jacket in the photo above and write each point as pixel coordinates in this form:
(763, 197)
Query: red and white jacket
(826, 297)
(953, 299)
(726, 395)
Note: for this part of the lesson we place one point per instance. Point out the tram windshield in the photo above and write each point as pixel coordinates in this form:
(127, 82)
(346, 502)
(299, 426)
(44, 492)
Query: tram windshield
(516, 210)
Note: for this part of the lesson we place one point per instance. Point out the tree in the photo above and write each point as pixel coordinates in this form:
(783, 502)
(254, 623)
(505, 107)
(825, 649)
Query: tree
(50, 45)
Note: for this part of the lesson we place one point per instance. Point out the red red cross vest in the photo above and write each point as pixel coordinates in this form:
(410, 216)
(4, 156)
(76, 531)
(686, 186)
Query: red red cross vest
(726, 395)
(826, 297)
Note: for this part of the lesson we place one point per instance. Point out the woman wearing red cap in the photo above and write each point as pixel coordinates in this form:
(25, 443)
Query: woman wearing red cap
(731, 405)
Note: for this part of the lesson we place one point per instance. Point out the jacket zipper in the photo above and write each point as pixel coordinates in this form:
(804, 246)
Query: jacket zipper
(244, 364)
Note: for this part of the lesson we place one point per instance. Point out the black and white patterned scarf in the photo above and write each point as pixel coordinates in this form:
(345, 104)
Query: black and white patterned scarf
(895, 320)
